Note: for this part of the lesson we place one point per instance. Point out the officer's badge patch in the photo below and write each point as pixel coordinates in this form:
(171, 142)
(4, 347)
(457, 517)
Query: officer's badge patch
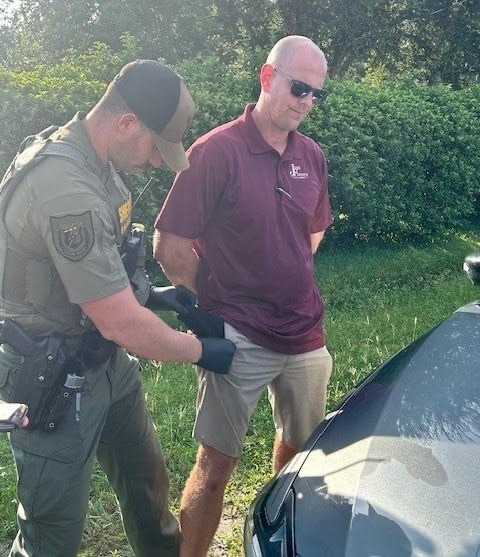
(73, 235)
(124, 212)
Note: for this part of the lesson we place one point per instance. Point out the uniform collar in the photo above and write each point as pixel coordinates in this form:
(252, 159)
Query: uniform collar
(75, 133)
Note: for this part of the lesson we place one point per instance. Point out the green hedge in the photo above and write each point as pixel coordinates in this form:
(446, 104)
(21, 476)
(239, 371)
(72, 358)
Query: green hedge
(403, 160)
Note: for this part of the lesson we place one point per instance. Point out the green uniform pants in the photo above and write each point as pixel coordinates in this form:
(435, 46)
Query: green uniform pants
(54, 469)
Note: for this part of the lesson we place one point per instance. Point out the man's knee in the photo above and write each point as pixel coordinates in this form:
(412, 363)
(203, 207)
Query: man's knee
(213, 467)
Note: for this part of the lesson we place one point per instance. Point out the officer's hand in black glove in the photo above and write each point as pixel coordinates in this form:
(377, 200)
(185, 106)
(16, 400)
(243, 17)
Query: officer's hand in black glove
(200, 321)
(217, 354)
(164, 298)
(183, 301)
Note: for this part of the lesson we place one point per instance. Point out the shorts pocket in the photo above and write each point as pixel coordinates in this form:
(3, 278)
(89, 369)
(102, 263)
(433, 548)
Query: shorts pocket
(235, 336)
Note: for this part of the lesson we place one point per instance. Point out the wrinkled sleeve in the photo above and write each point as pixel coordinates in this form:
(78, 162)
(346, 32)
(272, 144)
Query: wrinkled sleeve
(195, 193)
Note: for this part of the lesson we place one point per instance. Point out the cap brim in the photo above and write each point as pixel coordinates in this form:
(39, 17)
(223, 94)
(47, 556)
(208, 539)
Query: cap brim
(172, 153)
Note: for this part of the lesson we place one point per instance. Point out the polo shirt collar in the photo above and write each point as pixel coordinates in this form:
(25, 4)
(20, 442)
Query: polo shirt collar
(254, 139)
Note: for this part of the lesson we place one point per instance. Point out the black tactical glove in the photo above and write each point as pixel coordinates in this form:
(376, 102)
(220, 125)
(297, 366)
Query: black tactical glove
(200, 321)
(217, 354)
(183, 302)
(217, 351)
(472, 267)
(164, 298)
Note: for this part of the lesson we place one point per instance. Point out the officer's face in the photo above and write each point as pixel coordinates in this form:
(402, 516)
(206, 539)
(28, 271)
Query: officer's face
(145, 154)
(135, 150)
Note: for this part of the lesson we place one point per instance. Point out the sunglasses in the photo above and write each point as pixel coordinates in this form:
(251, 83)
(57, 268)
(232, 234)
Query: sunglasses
(300, 89)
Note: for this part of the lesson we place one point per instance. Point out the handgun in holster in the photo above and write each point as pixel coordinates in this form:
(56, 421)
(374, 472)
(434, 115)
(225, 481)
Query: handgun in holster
(45, 381)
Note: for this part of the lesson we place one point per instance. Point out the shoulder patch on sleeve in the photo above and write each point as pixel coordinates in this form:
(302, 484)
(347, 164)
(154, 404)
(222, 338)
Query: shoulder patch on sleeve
(73, 235)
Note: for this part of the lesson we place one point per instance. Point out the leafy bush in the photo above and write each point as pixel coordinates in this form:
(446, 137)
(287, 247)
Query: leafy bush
(33, 100)
(403, 161)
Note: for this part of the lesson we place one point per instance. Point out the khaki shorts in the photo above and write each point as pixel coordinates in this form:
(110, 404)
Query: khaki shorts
(297, 386)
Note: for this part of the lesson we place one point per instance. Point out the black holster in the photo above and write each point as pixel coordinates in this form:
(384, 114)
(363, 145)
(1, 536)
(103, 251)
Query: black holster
(41, 374)
(51, 374)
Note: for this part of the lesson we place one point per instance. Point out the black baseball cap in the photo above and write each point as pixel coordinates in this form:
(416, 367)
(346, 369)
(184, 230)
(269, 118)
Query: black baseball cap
(160, 99)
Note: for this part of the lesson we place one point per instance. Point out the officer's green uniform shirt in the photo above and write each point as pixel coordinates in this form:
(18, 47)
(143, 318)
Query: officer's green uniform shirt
(73, 215)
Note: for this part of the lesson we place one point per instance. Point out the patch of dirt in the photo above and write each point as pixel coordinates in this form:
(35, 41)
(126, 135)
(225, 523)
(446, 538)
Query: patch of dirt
(230, 524)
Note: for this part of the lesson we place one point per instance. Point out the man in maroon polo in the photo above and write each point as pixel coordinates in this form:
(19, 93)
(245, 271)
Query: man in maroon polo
(240, 228)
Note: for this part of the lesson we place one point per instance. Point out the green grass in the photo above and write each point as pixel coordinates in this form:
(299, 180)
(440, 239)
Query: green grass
(377, 298)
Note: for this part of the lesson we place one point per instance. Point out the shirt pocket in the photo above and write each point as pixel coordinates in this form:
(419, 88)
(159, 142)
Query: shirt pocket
(304, 197)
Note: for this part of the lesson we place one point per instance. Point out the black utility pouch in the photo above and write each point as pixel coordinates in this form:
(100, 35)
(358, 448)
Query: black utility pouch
(41, 376)
(95, 349)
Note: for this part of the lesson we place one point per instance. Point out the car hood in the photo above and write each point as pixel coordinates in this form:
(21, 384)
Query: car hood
(394, 471)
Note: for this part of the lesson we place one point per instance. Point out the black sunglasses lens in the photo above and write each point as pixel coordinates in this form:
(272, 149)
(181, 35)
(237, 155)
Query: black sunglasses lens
(300, 89)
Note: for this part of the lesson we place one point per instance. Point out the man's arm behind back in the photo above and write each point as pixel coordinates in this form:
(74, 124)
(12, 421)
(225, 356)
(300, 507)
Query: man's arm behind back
(177, 258)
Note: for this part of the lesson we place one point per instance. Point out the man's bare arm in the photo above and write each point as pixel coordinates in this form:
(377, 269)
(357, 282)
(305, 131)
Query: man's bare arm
(316, 238)
(177, 258)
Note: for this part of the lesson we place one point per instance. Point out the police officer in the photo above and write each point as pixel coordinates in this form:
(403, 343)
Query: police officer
(61, 272)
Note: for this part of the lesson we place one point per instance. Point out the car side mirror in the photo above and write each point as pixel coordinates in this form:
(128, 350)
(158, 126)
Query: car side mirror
(471, 266)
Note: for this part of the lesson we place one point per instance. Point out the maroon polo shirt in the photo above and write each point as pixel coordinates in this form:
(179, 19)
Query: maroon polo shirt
(256, 266)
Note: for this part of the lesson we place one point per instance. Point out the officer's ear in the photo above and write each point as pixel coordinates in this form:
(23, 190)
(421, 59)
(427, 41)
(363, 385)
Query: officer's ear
(127, 122)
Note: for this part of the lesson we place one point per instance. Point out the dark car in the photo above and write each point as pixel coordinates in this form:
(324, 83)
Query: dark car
(394, 471)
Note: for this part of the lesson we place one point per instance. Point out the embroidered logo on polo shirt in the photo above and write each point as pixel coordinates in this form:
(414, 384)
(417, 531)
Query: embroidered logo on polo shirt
(296, 172)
